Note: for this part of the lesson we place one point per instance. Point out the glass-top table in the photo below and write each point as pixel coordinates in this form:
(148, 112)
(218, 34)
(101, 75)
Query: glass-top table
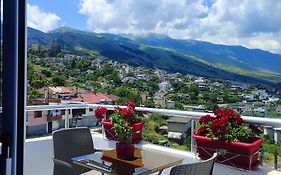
(145, 162)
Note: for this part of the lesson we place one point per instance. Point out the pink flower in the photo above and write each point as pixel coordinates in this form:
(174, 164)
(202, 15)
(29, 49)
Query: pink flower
(99, 112)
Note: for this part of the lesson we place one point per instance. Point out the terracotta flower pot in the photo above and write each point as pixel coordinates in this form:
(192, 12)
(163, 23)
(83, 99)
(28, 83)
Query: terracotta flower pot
(125, 151)
(136, 129)
(239, 154)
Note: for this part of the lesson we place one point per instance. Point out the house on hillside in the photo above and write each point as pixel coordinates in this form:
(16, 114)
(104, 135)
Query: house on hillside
(42, 122)
(93, 97)
(159, 99)
(177, 127)
(164, 86)
(61, 92)
(278, 109)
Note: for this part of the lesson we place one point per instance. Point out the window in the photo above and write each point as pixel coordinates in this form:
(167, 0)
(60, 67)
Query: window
(62, 112)
(37, 114)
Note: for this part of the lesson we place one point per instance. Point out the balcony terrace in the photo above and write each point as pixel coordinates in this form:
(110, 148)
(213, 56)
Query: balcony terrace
(39, 151)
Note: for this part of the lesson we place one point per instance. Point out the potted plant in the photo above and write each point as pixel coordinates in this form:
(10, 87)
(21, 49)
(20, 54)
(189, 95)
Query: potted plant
(128, 114)
(123, 126)
(228, 133)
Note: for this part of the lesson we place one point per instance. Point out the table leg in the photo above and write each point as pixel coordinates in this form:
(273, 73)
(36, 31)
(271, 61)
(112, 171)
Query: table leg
(103, 164)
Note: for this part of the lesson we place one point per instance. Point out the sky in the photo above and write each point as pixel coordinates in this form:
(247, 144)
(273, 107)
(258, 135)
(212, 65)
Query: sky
(250, 23)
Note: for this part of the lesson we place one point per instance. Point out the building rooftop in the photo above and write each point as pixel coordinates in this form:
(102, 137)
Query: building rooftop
(178, 119)
(93, 98)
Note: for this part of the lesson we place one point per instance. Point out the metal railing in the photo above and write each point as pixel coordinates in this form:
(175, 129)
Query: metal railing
(188, 114)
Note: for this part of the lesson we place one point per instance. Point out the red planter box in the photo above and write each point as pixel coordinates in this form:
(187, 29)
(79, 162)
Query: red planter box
(239, 154)
(110, 134)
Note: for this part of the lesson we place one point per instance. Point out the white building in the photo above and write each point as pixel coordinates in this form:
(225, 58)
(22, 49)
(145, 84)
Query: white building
(262, 94)
(164, 86)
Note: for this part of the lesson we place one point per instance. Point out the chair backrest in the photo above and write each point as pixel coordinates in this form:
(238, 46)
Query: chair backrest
(69, 143)
(204, 167)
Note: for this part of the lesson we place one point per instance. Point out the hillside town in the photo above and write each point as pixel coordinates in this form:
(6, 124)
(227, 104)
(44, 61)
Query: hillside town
(71, 79)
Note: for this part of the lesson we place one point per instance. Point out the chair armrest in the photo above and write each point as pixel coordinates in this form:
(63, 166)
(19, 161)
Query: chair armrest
(64, 164)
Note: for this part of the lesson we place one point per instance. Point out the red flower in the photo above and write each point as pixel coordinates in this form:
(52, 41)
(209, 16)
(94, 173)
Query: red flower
(127, 113)
(236, 119)
(219, 112)
(228, 112)
(99, 112)
(202, 131)
(218, 127)
(205, 119)
(255, 129)
(117, 109)
(130, 104)
(226, 125)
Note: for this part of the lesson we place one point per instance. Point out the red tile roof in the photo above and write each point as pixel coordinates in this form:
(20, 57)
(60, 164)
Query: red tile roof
(93, 98)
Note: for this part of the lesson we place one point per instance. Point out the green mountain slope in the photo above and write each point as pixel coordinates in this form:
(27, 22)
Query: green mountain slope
(237, 59)
(139, 53)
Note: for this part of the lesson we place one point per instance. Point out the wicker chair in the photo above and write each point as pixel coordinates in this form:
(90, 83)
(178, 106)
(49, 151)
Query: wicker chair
(204, 167)
(69, 143)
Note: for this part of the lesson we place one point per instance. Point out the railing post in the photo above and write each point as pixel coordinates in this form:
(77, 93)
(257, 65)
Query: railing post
(66, 120)
(262, 156)
(70, 116)
(275, 158)
(192, 132)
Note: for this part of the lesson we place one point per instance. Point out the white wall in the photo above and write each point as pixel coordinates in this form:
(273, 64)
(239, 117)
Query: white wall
(38, 156)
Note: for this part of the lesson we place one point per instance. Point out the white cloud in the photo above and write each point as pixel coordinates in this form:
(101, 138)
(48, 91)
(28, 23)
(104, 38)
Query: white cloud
(40, 20)
(265, 44)
(240, 22)
(129, 16)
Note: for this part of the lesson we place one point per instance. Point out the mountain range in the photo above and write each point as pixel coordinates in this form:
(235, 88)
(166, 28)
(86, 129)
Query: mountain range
(200, 58)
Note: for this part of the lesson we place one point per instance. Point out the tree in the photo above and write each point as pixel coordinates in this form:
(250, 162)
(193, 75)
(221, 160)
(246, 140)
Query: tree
(34, 94)
(126, 93)
(30, 70)
(211, 106)
(179, 106)
(58, 80)
(46, 72)
(149, 103)
(83, 64)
